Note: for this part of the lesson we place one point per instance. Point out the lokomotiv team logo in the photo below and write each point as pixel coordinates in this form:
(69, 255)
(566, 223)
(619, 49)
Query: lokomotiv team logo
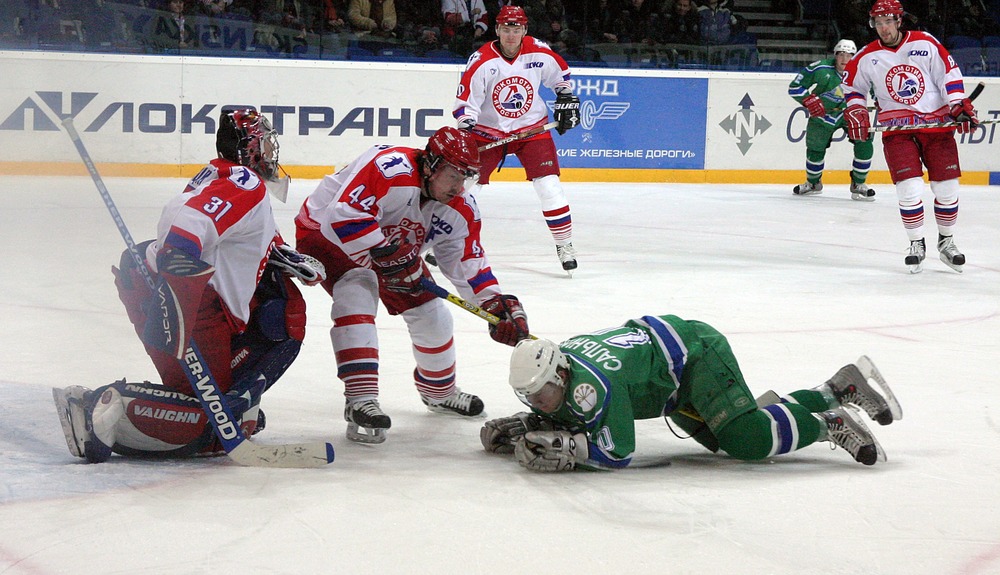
(905, 84)
(512, 97)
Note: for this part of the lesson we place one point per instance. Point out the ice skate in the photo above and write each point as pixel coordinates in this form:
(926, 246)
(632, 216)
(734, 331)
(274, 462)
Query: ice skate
(430, 259)
(72, 408)
(949, 253)
(567, 256)
(915, 256)
(861, 192)
(366, 422)
(808, 189)
(459, 403)
(844, 429)
(849, 386)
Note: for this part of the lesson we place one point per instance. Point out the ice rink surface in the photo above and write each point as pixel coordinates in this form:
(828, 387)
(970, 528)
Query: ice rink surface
(801, 286)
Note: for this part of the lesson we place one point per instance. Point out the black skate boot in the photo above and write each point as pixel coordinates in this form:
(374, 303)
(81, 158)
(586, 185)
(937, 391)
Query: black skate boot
(950, 254)
(849, 387)
(459, 403)
(845, 430)
(915, 256)
(366, 422)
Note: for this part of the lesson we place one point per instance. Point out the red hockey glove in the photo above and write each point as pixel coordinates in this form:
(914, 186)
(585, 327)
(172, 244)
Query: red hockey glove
(858, 123)
(399, 266)
(513, 326)
(964, 112)
(814, 105)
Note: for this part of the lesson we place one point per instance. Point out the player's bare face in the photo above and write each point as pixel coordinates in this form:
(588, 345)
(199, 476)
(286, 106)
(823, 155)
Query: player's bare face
(548, 399)
(888, 30)
(510, 39)
(841, 60)
(445, 184)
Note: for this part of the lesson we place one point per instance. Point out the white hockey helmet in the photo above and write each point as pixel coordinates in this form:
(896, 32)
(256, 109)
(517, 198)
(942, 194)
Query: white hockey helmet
(845, 45)
(534, 363)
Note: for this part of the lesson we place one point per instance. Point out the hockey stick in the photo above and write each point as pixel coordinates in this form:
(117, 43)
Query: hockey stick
(972, 98)
(520, 136)
(470, 307)
(237, 446)
(922, 126)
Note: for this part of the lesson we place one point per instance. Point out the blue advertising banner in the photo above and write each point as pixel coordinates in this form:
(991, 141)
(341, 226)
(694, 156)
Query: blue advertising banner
(636, 122)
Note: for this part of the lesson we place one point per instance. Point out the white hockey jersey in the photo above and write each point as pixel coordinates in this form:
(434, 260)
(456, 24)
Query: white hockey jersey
(504, 96)
(376, 199)
(224, 218)
(914, 83)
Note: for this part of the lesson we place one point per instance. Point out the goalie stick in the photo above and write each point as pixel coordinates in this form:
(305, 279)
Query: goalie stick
(237, 446)
(516, 137)
(468, 306)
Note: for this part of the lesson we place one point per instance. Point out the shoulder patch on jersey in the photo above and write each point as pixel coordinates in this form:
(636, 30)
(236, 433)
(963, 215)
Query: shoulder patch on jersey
(244, 178)
(585, 396)
(394, 164)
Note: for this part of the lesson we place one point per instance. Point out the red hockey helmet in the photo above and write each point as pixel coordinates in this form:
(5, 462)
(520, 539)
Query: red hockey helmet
(455, 147)
(247, 138)
(886, 8)
(512, 16)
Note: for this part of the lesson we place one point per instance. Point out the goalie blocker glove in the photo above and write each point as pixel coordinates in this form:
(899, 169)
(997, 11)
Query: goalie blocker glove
(513, 326)
(399, 266)
(566, 112)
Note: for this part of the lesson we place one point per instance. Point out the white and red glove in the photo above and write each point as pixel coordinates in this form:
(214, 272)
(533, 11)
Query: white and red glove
(399, 266)
(964, 112)
(513, 326)
(858, 123)
(814, 105)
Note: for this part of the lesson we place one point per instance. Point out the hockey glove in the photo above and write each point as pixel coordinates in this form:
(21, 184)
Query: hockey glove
(513, 326)
(964, 112)
(466, 122)
(567, 112)
(499, 435)
(551, 450)
(399, 266)
(814, 105)
(307, 269)
(858, 123)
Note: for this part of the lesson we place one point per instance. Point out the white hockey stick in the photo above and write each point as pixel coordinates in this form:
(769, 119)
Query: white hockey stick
(520, 136)
(237, 446)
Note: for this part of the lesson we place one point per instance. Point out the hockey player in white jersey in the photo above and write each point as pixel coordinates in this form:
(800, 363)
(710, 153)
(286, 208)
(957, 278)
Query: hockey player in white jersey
(368, 225)
(219, 251)
(915, 82)
(499, 95)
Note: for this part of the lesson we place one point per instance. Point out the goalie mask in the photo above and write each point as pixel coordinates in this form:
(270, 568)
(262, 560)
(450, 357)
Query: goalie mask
(456, 148)
(534, 363)
(247, 138)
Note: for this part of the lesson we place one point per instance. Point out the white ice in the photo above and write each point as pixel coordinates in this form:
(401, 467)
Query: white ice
(800, 285)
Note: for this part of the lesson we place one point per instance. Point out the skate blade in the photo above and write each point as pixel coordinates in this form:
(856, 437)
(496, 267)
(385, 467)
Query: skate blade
(62, 409)
(956, 267)
(367, 435)
(860, 198)
(868, 370)
(915, 268)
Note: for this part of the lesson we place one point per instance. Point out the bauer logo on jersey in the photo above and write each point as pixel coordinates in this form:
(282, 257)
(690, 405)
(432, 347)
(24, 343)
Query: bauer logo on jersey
(585, 396)
(905, 84)
(394, 164)
(512, 97)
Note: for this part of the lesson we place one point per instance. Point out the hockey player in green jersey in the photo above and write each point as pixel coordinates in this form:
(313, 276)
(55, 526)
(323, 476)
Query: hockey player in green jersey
(587, 392)
(817, 87)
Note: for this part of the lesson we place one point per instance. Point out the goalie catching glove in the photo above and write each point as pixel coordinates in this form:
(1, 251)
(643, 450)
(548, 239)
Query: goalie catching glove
(307, 269)
(513, 326)
(566, 112)
(551, 450)
(499, 435)
(399, 266)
